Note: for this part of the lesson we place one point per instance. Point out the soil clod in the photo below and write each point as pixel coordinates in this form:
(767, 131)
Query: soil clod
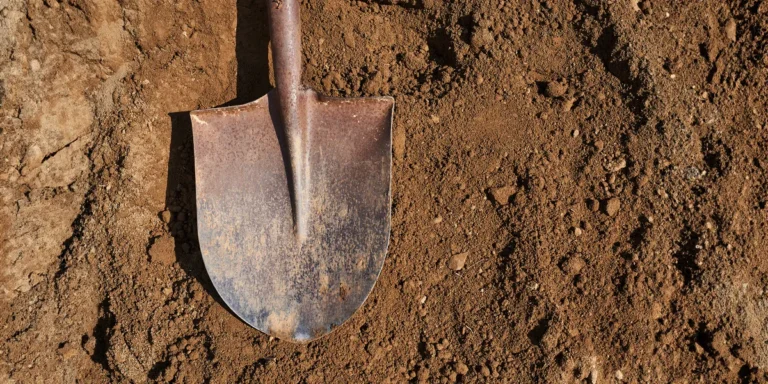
(503, 195)
(611, 206)
(555, 88)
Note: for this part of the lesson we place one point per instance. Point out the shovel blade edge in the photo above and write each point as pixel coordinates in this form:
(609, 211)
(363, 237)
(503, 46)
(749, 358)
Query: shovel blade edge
(290, 289)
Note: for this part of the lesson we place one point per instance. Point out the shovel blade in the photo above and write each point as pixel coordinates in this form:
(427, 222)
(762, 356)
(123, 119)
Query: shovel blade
(296, 290)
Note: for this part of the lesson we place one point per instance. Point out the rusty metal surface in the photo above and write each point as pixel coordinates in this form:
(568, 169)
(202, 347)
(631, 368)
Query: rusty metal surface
(290, 287)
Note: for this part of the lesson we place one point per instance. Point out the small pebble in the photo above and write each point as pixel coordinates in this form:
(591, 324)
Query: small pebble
(599, 145)
(618, 166)
(457, 261)
(461, 368)
(349, 39)
(166, 216)
(568, 104)
(593, 376)
(32, 158)
(730, 29)
(611, 206)
(575, 133)
(619, 375)
(656, 311)
(437, 220)
(502, 195)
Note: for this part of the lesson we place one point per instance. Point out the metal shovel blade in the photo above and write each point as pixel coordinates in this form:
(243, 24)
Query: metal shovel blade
(294, 289)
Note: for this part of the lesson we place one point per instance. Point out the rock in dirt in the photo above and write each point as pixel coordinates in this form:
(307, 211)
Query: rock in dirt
(502, 195)
(568, 104)
(349, 39)
(555, 89)
(166, 216)
(617, 165)
(599, 145)
(457, 261)
(461, 368)
(656, 311)
(32, 159)
(611, 206)
(730, 29)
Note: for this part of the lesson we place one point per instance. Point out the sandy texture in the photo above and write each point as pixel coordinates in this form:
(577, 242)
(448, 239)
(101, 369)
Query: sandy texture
(600, 168)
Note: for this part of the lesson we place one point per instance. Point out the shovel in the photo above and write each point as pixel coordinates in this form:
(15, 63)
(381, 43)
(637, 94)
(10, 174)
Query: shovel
(293, 197)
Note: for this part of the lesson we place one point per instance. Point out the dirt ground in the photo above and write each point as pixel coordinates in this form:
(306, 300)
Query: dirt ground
(602, 165)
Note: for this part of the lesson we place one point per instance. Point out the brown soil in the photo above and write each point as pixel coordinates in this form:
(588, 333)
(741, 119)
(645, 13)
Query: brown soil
(601, 165)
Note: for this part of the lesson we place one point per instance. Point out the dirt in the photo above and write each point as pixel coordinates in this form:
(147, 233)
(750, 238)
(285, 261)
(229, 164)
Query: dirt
(600, 166)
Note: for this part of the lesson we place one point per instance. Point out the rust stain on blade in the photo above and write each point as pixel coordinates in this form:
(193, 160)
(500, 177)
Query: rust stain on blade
(294, 290)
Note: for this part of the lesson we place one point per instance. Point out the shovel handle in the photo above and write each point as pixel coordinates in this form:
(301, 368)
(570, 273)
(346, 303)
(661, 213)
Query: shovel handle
(285, 34)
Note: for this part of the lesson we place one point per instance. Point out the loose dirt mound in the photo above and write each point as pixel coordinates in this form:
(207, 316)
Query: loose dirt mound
(580, 190)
